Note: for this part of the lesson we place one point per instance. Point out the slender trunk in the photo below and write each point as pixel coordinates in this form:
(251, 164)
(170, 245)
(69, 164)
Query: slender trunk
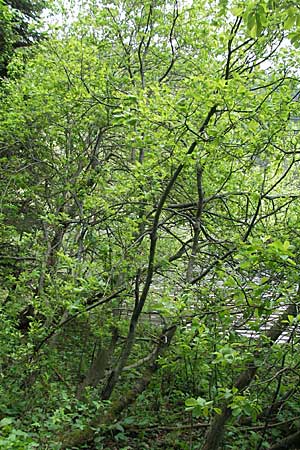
(196, 226)
(290, 442)
(215, 432)
(81, 437)
(100, 363)
(116, 372)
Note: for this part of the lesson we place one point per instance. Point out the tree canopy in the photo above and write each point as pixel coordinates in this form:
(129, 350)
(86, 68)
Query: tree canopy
(149, 227)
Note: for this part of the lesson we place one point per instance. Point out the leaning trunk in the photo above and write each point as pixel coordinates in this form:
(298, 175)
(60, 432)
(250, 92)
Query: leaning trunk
(215, 432)
(81, 437)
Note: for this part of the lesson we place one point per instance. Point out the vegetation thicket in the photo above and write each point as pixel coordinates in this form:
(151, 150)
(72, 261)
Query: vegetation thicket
(149, 208)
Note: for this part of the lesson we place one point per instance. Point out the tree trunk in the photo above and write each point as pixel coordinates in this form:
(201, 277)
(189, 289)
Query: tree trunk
(80, 437)
(288, 443)
(215, 432)
(97, 369)
(196, 226)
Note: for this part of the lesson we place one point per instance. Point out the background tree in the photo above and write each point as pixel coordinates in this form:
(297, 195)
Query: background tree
(18, 28)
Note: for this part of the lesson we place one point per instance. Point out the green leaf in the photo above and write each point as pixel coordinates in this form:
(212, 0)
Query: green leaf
(191, 402)
(289, 22)
(6, 421)
(119, 427)
(237, 11)
(259, 26)
(251, 24)
(236, 411)
(295, 38)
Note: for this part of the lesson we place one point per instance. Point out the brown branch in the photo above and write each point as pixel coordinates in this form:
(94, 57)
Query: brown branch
(290, 442)
(102, 301)
(216, 430)
(77, 438)
(204, 425)
(114, 376)
(233, 33)
(175, 17)
(196, 225)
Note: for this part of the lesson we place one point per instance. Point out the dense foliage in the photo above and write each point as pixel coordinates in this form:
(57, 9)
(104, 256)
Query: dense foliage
(18, 28)
(149, 228)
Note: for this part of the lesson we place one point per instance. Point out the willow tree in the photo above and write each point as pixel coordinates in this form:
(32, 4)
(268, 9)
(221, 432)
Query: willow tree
(151, 164)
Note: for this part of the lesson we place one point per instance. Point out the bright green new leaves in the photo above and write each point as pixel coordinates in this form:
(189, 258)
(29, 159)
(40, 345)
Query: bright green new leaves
(256, 17)
(149, 153)
(259, 14)
(199, 406)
